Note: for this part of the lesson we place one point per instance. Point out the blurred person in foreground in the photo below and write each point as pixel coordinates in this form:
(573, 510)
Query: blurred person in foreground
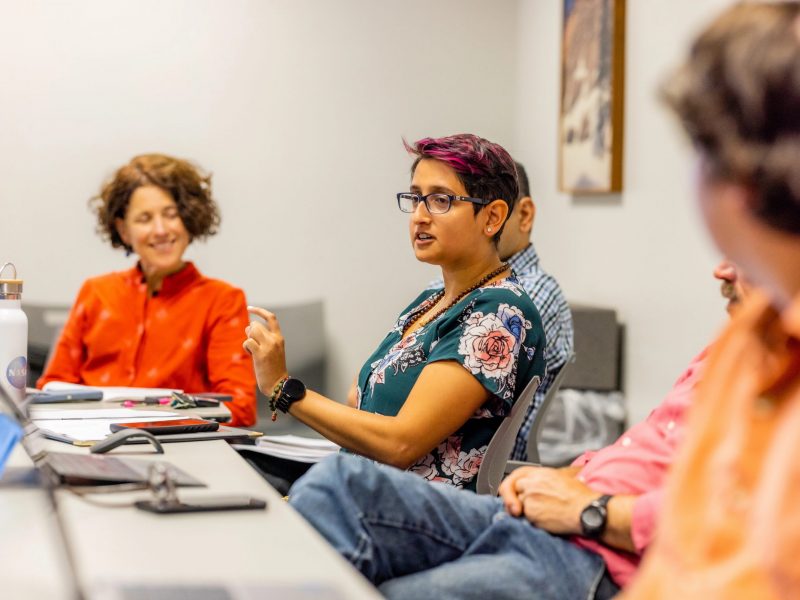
(729, 527)
(160, 324)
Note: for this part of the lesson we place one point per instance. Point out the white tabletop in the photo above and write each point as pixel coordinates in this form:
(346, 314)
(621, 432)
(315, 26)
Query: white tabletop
(274, 546)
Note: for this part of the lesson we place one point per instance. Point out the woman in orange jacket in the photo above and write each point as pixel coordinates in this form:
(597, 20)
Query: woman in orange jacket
(161, 323)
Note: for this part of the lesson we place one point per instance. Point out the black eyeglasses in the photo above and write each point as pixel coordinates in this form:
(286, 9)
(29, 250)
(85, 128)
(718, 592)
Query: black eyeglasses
(437, 204)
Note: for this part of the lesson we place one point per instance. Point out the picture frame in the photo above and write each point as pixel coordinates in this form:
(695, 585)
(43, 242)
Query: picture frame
(592, 96)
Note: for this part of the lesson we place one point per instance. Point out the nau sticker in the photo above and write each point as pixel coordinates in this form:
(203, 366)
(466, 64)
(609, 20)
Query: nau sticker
(17, 372)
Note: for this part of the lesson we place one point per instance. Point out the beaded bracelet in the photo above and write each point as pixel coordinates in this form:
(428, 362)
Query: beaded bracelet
(273, 399)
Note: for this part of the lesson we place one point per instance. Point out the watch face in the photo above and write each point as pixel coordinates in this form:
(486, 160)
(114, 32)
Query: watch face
(592, 518)
(294, 388)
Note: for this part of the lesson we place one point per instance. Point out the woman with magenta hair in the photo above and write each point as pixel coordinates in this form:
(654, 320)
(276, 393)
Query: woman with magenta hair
(431, 396)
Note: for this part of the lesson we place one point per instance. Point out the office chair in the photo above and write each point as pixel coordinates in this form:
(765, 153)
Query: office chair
(538, 420)
(493, 465)
(45, 322)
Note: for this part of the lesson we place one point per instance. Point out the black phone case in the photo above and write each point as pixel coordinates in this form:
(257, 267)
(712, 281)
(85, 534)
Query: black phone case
(167, 429)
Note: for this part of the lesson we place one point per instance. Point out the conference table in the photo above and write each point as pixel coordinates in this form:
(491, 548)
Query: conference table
(273, 552)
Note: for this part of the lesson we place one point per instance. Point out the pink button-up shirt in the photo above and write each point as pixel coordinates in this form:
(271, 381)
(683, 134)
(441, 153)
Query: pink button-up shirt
(729, 526)
(637, 464)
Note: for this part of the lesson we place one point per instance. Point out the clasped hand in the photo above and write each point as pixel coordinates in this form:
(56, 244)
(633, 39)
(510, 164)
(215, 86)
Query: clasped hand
(265, 344)
(551, 499)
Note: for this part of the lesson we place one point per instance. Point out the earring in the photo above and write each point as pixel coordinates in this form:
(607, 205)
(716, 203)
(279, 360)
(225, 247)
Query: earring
(488, 230)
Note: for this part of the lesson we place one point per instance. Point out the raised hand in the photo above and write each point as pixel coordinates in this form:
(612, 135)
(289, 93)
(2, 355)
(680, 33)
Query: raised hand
(265, 344)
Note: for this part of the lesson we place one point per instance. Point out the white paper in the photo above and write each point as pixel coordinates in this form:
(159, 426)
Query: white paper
(110, 393)
(298, 441)
(88, 429)
(292, 447)
(96, 413)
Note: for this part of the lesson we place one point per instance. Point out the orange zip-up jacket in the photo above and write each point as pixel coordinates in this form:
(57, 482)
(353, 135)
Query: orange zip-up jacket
(188, 336)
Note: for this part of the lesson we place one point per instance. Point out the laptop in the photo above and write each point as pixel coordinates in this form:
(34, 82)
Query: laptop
(84, 469)
(137, 590)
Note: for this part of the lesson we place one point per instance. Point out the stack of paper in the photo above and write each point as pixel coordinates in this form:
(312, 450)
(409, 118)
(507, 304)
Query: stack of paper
(90, 425)
(293, 447)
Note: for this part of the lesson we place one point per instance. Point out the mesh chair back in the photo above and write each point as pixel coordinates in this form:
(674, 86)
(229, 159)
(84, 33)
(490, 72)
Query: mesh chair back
(541, 411)
(493, 466)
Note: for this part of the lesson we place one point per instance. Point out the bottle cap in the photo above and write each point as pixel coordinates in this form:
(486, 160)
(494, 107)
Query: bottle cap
(10, 287)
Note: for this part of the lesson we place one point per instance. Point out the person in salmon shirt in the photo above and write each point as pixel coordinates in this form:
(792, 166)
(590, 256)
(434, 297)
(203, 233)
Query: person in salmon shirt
(161, 323)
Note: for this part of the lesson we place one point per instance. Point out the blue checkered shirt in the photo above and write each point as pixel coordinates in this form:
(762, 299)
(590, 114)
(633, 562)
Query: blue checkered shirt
(557, 321)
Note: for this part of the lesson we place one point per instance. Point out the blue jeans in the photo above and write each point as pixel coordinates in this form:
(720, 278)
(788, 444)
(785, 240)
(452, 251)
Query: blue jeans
(416, 539)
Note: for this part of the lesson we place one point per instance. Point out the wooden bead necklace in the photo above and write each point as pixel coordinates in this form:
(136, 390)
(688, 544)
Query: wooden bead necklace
(420, 311)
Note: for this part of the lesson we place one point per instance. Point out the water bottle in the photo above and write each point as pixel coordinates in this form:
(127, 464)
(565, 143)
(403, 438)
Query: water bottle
(13, 334)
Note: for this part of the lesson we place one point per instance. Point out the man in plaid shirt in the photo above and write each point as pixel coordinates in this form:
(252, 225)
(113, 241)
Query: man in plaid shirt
(516, 249)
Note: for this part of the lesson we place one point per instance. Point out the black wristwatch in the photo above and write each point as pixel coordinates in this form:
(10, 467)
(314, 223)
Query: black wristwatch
(292, 391)
(594, 518)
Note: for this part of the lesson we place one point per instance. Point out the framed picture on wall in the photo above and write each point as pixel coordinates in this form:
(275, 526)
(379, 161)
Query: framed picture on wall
(592, 96)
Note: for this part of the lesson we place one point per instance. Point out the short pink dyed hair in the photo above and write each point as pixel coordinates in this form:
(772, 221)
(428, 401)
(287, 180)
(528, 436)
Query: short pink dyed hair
(485, 168)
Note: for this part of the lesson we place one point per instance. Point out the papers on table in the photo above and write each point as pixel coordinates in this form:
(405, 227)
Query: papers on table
(85, 430)
(110, 392)
(96, 413)
(91, 424)
(293, 447)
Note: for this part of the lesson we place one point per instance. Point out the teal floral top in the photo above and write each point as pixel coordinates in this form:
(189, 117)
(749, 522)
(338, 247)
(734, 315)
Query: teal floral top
(496, 334)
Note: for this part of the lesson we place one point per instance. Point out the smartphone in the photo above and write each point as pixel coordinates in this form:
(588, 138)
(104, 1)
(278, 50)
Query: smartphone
(169, 426)
(213, 396)
(65, 396)
(203, 504)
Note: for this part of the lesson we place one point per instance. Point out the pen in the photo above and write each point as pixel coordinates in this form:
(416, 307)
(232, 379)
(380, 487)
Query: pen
(147, 401)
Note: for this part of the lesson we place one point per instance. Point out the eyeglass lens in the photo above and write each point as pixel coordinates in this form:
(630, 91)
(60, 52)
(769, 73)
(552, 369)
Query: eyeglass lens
(437, 203)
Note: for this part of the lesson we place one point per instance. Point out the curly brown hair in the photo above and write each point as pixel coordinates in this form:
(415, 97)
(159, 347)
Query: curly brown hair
(187, 184)
(738, 95)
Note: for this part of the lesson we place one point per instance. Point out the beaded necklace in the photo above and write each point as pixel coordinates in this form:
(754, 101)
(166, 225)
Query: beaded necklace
(417, 313)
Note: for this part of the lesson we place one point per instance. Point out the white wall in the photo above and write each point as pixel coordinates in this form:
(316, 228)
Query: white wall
(297, 106)
(644, 251)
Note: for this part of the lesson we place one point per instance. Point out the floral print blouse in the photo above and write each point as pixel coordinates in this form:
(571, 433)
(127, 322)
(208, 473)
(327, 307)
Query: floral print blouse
(495, 333)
